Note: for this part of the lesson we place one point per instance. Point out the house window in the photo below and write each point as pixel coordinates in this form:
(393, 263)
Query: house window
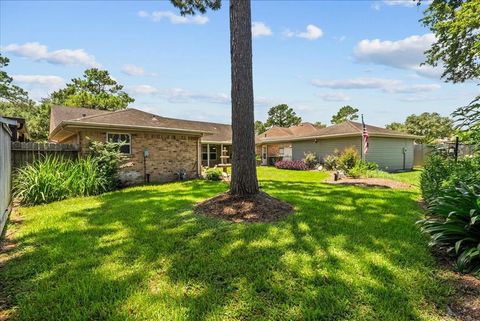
(124, 139)
(213, 152)
(280, 151)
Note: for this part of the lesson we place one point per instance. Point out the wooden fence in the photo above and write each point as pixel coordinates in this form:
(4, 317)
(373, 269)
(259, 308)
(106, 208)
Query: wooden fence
(24, 153)
(5, 172)
(421, 151)
(420, 154)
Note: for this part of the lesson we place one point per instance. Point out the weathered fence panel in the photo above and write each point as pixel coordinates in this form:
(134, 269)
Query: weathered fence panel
(26, 152)
(420, 154)
(5, 173)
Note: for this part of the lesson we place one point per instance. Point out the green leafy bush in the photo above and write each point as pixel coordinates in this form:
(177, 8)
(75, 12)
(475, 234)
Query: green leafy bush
(310, 159)
(54, 178)
(213, 174)
(108, 157)
(348, 159)
(441, 173)
(455, 223)
(330, 162)
(362, 169)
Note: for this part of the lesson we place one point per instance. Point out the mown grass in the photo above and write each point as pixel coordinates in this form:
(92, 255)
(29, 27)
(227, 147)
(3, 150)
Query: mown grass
(347, 253)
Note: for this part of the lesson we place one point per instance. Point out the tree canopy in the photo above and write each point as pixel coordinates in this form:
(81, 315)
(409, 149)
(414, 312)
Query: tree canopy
(400, 127)
(259, 127)
(8, 91)
(319, 124)
(432, 126)
(455, 24)
(282, 116)
(96, 90)
(345, 113)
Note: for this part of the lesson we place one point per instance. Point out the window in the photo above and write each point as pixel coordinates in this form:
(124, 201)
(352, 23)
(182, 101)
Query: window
(213, 152)
(123, 139)
(280, 151)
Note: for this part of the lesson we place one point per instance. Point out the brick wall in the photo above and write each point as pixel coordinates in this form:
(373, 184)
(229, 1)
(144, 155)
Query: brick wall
(272, 149)
(168, 154)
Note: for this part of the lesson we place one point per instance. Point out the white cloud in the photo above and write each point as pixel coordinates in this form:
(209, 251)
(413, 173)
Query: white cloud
(404, 3)
(376, 5)
(260, 29)
(133, 70)
(406, 53)
(174, 18)
(180, 95)
(39, 86)
(357, 83)
(382, 84)
(312, 33)
(340, 39)
(37, 51)
(40, 80)
(143, 90)
(335, 96)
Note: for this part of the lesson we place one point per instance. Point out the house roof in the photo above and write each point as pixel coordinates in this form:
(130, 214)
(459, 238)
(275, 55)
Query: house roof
(132, 118)
(306, 131)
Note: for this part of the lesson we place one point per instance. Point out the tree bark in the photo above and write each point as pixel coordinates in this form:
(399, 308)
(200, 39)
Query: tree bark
(244, 173)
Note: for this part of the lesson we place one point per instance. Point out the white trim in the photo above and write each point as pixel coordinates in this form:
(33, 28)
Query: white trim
(120, 133)
(265, 159)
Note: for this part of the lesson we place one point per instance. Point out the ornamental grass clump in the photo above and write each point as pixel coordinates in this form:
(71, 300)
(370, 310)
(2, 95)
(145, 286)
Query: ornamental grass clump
(54, 178)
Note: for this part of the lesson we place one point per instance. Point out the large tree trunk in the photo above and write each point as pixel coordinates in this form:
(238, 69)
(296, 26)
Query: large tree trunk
(244, 173)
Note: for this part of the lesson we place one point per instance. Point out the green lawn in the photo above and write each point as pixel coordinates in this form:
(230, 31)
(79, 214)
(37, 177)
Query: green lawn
(347, 253)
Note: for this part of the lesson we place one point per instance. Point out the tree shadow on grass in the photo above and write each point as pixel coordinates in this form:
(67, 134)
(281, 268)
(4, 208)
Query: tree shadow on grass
(346, 253)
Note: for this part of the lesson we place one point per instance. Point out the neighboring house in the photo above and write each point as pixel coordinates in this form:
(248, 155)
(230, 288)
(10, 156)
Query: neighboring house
(391, 150)
(156, 148)
(19, 130)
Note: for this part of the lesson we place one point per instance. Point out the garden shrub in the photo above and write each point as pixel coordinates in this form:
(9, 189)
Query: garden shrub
(291, 164)
(310, 159)
(454, 222)
(441, 173)
(53, 178)
(330, 162)
(213, 174)
(348, 159)
(362, 169)
(108, 158)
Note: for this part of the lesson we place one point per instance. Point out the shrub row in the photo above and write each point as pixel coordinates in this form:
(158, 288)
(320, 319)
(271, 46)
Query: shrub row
(452, 193)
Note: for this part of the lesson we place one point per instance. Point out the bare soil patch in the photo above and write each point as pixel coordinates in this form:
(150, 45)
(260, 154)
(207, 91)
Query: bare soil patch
(370, 182)
(464, 304)
(257, 208)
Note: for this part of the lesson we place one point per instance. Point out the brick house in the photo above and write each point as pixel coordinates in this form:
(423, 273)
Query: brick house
(155, 148)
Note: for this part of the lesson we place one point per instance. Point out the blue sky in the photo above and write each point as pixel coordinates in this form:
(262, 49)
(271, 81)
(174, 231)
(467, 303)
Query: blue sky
(315, 56)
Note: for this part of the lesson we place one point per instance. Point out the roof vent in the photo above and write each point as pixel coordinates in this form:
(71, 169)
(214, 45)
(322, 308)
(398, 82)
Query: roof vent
(84, 115)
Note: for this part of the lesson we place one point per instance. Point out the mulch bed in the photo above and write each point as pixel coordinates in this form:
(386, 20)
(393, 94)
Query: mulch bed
(369, 182)
(257, 208)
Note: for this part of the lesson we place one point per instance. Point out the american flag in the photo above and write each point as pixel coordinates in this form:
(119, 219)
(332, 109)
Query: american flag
(365, 138)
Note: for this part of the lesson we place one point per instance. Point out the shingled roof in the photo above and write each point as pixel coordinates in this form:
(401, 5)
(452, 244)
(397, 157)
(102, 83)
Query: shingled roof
(307, 131)
(132, 118)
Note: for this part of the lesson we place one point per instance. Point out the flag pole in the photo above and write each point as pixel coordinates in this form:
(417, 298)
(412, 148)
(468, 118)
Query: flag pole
(363, 140)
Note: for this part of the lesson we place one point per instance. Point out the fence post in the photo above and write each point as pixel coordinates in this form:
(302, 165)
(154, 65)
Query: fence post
(456, 149)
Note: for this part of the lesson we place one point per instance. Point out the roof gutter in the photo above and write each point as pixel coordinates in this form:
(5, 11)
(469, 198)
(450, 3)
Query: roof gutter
(291, 139)
(89, 125)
